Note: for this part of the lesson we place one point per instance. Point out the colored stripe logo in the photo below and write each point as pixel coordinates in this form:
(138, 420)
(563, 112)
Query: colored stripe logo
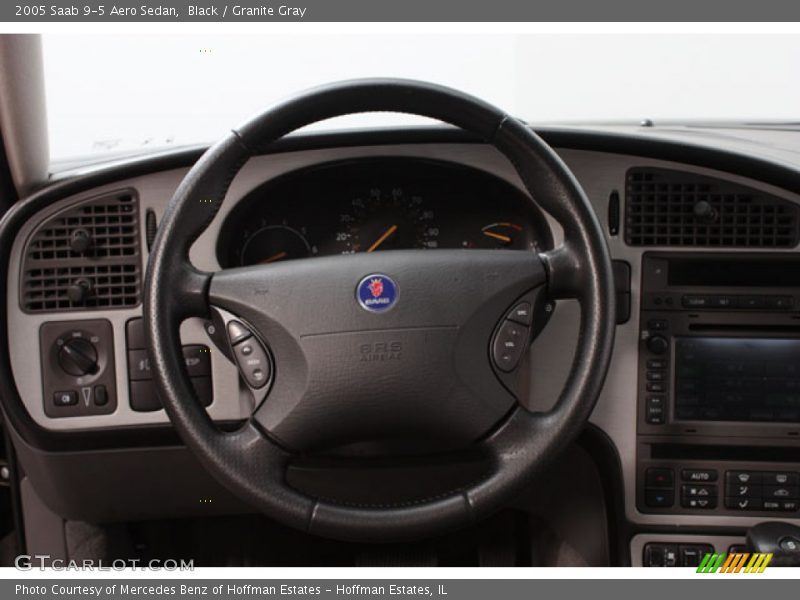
(734, 563)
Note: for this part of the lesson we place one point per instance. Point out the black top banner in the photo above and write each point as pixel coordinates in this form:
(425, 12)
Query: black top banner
(401, 11)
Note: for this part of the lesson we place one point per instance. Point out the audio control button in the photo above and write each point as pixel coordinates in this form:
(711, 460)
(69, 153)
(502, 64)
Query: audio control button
(509, 344)
(658, 344)
(253, 362)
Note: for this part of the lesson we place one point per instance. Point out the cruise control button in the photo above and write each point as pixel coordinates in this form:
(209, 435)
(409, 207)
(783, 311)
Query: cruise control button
(237, 332)
(521, 313)
(253, 362)
(68, 398)
(509, 345)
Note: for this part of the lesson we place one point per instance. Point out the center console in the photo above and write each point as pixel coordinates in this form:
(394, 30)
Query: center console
(718, 425)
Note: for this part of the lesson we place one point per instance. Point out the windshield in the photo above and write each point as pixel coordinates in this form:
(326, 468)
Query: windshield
(112, 95)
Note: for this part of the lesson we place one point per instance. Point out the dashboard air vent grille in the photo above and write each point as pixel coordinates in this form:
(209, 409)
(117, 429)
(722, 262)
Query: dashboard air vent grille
(87, 256)
(674, 208)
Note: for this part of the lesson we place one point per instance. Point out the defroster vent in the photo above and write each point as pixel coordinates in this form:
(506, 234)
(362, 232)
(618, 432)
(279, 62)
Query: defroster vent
(87, 256)
(674, 208)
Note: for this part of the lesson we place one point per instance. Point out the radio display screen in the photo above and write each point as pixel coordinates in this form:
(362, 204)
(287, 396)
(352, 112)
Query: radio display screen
(737, 379)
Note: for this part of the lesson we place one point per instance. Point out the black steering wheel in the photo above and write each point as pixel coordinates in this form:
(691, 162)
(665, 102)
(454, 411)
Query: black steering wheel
(417, 344)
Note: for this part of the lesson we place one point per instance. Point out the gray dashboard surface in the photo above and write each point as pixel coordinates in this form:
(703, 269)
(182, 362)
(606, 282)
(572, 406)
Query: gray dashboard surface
(600, 173)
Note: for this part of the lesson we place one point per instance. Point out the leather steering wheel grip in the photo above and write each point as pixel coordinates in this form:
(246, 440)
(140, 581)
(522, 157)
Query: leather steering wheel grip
(250, 463)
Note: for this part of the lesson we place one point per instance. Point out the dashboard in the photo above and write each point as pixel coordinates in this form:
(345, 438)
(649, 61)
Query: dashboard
(687, 222)
(379, 204)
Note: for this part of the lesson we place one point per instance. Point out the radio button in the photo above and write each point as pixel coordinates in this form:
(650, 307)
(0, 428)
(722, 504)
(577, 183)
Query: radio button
(743, 503)
(780, 302)
(699, 475)
(723, 301)
(655, 415)
(656, 387)
(655, 376)
(521, 313)
(751, 477)
(656, 363)
(789, 505)
(696, 301)
(657, 344)
(742, 490)
(657, 324)
(752, 301)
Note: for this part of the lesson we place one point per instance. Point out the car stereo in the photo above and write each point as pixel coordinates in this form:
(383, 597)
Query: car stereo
(719, 383)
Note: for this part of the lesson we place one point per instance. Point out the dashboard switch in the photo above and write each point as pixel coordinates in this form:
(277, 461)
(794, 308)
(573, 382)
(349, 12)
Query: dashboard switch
(78, 357)
(68, 398)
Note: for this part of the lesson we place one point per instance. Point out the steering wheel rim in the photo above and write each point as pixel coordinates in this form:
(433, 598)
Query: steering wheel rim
(251, 461)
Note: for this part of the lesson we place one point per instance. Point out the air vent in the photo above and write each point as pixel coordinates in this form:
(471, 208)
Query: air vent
(674, 208)
(85, 257)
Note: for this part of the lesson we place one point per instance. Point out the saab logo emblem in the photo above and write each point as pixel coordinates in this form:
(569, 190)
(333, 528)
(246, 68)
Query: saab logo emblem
(376, 292)
(734, 563)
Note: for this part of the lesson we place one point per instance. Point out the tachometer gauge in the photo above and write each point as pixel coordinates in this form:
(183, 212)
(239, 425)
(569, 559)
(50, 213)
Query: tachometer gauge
(273, 243)
(386, 219)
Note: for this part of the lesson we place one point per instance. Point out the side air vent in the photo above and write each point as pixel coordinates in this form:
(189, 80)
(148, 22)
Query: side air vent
(673, 208)
(85, 257)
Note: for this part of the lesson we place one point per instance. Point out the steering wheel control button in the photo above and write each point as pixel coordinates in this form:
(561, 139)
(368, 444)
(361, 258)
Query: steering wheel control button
(238, 332)
(509, 345)
(253, 362)
(377, 292)
(69, 398)
(522, 313)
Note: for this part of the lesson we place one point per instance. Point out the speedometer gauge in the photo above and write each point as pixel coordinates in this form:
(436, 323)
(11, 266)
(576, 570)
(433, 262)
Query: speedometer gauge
(385, 219)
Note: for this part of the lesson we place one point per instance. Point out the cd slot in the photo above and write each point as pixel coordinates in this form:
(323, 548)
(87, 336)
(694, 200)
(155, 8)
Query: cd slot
(717, 452)
(744, 327)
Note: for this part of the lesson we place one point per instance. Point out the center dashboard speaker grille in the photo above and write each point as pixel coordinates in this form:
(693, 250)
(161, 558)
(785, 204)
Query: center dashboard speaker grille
(674, 208)
(85, 257)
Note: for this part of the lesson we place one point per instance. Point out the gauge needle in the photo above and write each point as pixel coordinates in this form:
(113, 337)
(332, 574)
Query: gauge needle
(383, 238)
(497, 236)
(274, 257)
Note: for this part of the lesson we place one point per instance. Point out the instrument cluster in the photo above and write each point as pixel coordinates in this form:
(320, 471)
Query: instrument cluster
(378, 204)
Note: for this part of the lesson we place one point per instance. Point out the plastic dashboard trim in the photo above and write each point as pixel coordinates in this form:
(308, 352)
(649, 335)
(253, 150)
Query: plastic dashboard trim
(765, 171)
